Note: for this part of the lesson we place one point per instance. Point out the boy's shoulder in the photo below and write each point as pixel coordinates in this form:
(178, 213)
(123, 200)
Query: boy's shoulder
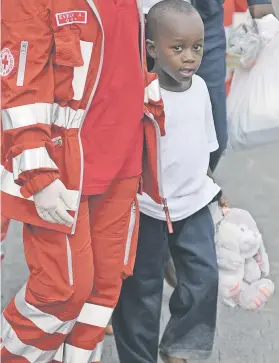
(199, 82)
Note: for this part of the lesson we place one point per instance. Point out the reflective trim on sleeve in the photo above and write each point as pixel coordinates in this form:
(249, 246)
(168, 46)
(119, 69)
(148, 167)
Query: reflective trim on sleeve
(8, 186)
(48, 323)
(95, 315)
(32, 159)
(15, 346)
(80, 73)
(152, 91)
(77, 355)
(26, 115)
(67, 117)
(41, 113)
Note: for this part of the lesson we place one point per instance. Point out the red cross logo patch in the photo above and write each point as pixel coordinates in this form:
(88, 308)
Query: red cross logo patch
(7, 62)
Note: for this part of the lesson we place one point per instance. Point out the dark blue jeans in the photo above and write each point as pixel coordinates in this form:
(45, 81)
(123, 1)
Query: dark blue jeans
(190, 331)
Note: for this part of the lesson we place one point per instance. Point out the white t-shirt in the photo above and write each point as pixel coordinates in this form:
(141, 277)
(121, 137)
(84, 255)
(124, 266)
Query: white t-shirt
(185, 151)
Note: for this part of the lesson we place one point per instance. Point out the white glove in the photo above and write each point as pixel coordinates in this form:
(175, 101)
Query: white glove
(52, 203)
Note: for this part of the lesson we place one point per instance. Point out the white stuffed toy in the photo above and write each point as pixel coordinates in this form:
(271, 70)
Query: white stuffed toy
(242, 259)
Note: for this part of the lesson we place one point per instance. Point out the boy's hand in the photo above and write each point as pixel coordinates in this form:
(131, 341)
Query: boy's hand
(223, 202)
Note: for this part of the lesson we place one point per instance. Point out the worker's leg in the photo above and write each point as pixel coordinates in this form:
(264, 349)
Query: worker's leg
(114, 229)
(4, 230)
(4, 227)
(38, 319)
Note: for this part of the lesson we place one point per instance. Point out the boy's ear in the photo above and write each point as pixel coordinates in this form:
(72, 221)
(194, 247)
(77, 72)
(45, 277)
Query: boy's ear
(151, 49)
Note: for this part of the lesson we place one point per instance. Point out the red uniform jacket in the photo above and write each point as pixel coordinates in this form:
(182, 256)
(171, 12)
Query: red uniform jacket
(52, 54)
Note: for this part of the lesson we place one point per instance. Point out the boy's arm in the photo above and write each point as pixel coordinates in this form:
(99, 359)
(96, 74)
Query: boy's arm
(27, 94)
(222, 201)
(260, 8)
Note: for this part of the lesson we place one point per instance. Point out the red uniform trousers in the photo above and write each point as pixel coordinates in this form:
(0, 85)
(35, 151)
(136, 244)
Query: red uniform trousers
(74, 282)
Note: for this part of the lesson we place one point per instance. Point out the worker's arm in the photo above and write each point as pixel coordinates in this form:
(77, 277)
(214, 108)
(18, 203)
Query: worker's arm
(27, 80)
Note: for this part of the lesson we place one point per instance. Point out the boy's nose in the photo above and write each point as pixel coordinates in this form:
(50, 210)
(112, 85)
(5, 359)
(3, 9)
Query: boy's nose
(188, 57)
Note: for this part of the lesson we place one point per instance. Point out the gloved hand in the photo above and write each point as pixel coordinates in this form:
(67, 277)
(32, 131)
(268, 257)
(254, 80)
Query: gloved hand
(52, 203)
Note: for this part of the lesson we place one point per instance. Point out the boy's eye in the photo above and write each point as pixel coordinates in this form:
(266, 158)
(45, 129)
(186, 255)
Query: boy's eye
(197, 47)
(178, 48)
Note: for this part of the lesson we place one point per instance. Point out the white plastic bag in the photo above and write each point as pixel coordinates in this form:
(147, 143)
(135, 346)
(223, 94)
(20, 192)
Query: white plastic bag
(253, 102)
(244, 46)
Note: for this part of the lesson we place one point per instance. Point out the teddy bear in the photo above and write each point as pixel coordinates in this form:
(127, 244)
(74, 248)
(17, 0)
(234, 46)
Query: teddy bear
(242, 259)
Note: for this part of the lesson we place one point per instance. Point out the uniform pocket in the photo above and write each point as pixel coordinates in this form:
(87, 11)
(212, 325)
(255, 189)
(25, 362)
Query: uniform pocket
(131, 242)
(71, 64)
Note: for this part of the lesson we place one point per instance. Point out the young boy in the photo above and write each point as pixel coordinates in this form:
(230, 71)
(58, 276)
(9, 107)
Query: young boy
(175, 42)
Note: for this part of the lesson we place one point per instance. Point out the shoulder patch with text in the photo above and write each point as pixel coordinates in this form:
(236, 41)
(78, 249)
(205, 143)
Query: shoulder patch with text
(71, 17)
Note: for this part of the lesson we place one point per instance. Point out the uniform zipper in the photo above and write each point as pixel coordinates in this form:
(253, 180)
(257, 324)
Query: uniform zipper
(130, 233)
(160, 178)
(96, 13)
(167, 213)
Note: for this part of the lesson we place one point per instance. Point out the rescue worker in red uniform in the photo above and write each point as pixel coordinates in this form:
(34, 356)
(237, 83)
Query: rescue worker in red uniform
(81, 123)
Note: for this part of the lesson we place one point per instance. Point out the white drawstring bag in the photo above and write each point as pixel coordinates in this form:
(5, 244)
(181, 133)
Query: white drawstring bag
(253, 102)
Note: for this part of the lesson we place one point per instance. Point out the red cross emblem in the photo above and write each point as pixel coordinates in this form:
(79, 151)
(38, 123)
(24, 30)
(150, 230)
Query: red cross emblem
(7, 62)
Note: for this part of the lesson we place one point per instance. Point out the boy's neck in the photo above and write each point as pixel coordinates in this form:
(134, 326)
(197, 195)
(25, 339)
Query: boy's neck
(170, 84)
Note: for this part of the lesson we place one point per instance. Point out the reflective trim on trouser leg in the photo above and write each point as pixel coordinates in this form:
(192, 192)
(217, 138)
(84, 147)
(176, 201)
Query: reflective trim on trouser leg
(59, 354)
(15, 346)
(77, 355)
(95, 315)
(44, 321)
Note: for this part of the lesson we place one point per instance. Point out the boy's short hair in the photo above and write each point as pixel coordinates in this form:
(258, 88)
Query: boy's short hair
(163, 7)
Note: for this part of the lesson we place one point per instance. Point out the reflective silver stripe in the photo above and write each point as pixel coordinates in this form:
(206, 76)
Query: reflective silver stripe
(152, 92)
(130, 233)
(8, 186)
(70, 262)
(59, 354)
(95, 315)
(80, 73)
(142, 31)
(77, 355)
(26, 115)
(97, 15)
(22, 63)
(32, 159)
(41, 113)
(67, 117)
(46, 322)
(14, 345)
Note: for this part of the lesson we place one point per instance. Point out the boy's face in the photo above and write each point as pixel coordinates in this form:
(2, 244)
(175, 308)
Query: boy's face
(178, 45)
